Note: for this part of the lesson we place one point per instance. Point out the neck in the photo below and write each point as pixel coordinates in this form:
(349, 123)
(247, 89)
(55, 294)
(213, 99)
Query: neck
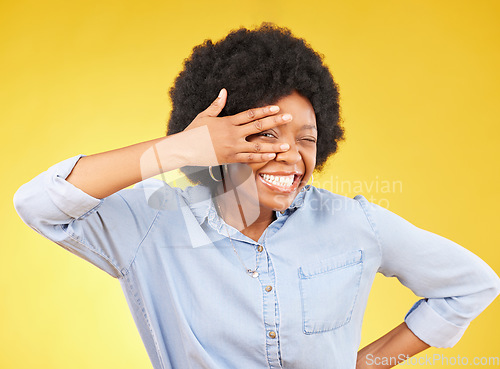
(243, 213)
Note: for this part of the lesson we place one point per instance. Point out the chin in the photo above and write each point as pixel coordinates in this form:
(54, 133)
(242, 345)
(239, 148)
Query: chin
(276, 196)
(277, 202)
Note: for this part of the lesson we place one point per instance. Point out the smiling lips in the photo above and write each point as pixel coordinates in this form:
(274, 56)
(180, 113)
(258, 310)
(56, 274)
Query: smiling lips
(281, 183)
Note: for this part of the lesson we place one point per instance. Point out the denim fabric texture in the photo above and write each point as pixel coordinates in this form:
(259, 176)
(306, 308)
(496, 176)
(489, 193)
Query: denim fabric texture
(196, 307)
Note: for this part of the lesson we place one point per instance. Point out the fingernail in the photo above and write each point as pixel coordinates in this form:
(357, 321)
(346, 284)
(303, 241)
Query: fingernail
(287, 116)
(274, 108)
(270, 156)
(220, 93)
(284, 146)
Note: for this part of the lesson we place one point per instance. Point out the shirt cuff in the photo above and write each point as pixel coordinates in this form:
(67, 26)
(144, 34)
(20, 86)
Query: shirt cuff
(431, 328)
(69, 199)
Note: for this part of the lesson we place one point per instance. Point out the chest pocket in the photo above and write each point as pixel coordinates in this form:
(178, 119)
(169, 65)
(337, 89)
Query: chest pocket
(328, 291)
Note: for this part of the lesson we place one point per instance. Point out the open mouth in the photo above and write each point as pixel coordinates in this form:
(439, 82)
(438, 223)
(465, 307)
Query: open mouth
(281, 183)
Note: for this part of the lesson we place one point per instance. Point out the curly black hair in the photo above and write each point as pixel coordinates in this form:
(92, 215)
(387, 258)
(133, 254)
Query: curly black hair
(257, 67)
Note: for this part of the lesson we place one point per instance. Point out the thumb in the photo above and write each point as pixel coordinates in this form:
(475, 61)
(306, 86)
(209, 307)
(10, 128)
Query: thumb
(217, 105)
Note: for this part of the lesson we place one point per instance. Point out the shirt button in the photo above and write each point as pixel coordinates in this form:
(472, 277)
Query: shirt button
(260, 248)
(268, 288)
(272, 334)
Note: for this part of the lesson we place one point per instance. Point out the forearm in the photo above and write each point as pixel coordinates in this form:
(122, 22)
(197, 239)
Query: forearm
(390, 349)
(103, 174)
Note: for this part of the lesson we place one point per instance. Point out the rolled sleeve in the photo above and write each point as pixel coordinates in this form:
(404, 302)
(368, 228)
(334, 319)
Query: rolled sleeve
(455, 285)
(431, 328)
(68, 198)
(49, 199)
(106, 232)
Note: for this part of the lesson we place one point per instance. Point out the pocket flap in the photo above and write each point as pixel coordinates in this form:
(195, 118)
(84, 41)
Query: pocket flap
(333, 263)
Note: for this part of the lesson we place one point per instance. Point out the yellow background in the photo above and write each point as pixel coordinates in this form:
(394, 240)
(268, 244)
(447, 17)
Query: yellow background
(419, 84)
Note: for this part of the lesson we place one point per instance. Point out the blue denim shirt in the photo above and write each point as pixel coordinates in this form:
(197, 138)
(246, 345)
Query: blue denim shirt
(196, 307)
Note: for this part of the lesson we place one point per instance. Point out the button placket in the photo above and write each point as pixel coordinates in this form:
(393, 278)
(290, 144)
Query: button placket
(270, 311)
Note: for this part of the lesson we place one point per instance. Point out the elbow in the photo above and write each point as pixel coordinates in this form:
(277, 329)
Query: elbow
(490, 290)
(484, 284)
(492, 285)
(495, 288)
(21, 203)
(25, 203)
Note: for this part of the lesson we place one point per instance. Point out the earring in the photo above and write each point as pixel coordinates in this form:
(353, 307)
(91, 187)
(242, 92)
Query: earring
(212, 174)
(221, 168)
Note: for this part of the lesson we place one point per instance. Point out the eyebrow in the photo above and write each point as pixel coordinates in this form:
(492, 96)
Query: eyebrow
(308, 126)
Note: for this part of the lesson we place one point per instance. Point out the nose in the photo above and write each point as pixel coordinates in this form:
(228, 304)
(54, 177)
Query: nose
(291, 156)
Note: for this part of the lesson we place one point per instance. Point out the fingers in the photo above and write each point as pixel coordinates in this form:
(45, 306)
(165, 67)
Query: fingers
(260, 125)
(251, 157)
(256, 152)
(217, 105)
(260, 147)
(254, 114)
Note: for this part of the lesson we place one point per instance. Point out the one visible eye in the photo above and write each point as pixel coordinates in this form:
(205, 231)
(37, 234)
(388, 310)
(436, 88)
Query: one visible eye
(310, 139)
(266, 134)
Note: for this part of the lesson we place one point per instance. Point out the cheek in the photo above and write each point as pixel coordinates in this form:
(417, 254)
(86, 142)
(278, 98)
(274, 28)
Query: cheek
(241, 172)
(313, 162)
(255, 167)
(309, 158)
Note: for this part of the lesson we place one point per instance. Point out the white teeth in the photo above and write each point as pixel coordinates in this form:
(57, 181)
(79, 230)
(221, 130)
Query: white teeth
(283, 181)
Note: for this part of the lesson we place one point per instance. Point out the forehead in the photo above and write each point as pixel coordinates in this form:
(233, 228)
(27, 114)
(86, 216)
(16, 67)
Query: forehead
(301, 109)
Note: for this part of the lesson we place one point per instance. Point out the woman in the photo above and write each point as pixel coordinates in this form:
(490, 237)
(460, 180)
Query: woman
(252, 268)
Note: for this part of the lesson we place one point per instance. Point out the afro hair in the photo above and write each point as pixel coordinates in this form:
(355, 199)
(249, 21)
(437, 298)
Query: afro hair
(257, 67)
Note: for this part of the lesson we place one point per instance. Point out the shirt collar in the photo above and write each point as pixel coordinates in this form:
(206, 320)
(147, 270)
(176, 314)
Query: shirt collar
(199, 200)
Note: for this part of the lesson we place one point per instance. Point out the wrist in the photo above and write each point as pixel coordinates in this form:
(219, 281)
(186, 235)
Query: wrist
(193, 147)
